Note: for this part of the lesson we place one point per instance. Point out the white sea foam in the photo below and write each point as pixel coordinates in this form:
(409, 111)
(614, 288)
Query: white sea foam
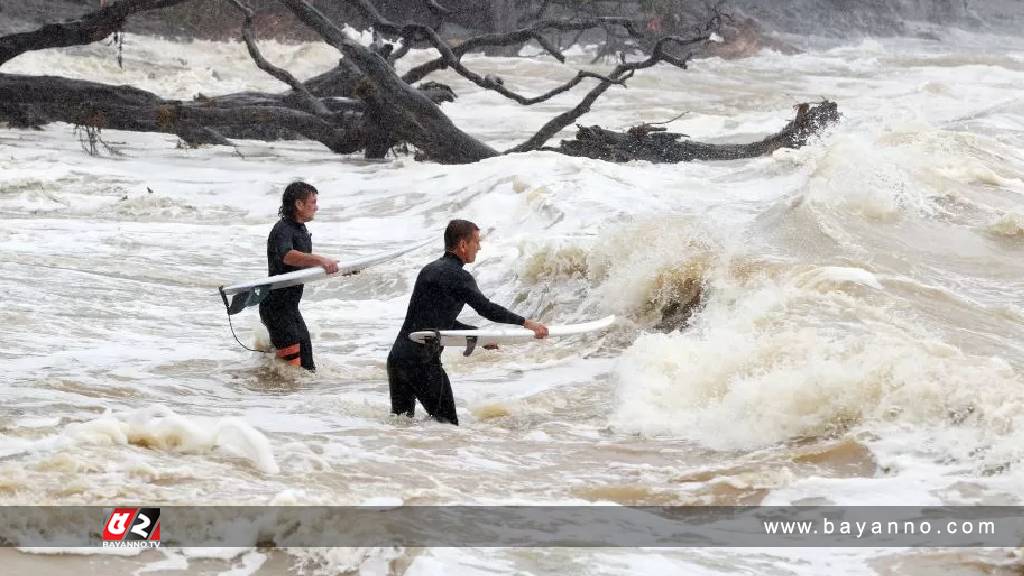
(160, 428)
(790, 361)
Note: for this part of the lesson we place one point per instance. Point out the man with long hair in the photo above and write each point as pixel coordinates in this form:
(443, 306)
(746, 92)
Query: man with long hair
(290, 248)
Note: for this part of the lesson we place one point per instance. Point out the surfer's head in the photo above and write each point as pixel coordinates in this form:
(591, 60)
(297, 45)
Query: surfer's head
(298, 202)
(462, 238)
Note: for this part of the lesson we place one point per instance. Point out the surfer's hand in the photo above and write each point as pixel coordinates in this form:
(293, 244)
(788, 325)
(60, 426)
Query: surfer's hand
(539, 330)
(330, 266)
(491, 347)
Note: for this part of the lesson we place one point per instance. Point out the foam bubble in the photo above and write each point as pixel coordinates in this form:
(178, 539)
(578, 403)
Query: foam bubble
(1009, 224)
(554, 262)
(825, 277)
(971, 171)
(160, 428)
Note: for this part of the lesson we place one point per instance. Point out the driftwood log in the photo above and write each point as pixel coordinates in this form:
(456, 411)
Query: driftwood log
(647, 142)
(32, 101)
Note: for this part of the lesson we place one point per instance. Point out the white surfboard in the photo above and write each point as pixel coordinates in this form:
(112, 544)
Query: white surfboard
(473, 338)
(249, 293)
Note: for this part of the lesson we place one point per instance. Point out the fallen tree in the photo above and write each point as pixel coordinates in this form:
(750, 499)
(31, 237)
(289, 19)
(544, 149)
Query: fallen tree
(29, 101)
(364, 104)
(655, 144)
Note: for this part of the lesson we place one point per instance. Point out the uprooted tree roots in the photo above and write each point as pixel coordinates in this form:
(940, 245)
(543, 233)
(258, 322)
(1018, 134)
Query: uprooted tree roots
(647, 142)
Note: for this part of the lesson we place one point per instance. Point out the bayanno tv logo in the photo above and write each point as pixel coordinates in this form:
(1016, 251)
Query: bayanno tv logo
(132, 528)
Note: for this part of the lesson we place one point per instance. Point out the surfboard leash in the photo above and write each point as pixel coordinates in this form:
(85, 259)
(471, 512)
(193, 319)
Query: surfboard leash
(232, 326)
(240, 302)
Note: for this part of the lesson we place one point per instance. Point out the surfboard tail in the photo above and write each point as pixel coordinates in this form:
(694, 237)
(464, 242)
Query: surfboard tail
(242, 300)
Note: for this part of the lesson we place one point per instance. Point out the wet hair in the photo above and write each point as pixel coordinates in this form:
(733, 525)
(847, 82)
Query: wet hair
(458, 230)
(294, 191)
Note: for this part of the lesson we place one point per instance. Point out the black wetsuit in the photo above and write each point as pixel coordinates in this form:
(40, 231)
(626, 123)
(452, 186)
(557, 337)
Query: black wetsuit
(442, 288)
(280, 310)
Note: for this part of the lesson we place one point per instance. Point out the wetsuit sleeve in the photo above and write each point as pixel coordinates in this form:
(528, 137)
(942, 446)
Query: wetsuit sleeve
(282, 243)
(460, 326)
(469, 293)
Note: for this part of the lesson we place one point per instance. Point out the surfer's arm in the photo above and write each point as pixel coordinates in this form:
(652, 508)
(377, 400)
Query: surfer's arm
(469, 293)
(305, 260)
(495, 313)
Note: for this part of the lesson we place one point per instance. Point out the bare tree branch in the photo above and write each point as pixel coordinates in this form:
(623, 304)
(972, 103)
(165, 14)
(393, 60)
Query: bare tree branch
(451, 57)
(619, 75)
(369, 12)
(513, 38)
(436, 8)
(400, 53)
(670, 120)
(549, 47)
(540, 11)
(249, 35)
(556, 124)
(411, 114)
(658, 54)
(92, 27)
(488, 83)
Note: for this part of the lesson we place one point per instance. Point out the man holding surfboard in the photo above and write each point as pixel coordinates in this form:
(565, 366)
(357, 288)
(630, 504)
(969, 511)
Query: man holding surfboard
(290, 248)
(442, 288)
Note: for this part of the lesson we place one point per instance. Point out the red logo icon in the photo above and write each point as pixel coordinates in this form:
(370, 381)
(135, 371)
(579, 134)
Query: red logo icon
(132, 528)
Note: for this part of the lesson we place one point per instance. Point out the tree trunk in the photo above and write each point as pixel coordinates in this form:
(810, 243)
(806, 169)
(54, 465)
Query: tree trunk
(35, 100)
(92, 27)
(408, 113)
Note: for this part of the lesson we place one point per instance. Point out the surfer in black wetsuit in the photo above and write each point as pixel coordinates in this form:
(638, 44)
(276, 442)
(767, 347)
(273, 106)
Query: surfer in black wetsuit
(289, 248)
(442, 288)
